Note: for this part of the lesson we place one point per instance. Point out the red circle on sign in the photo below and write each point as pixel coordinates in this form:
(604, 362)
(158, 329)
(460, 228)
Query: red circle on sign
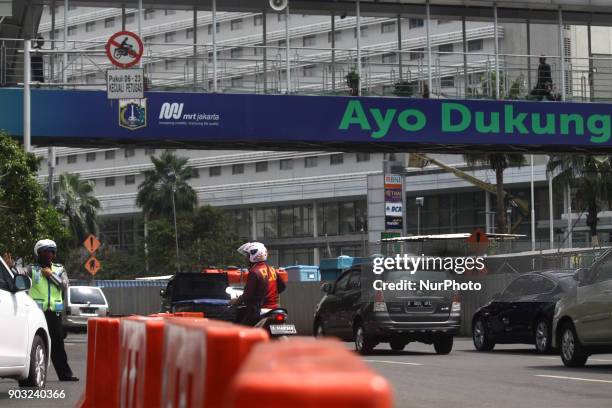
(115, 50)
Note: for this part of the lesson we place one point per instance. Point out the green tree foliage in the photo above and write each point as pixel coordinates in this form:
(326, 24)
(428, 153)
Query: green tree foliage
(204, 240)
(590, 177)
(75, 200)
(25, 216)
(170, 173)
(498, 162)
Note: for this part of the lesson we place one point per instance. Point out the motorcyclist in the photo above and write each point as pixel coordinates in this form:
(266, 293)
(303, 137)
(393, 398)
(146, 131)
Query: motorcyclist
(263, 284)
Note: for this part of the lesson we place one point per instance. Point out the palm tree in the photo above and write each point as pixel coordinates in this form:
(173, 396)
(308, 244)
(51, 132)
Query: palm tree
(169, 176)
(591, 177)
(498, 162)
(75, 200)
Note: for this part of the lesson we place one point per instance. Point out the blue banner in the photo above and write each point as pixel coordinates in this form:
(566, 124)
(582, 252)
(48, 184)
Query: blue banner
(307, 122)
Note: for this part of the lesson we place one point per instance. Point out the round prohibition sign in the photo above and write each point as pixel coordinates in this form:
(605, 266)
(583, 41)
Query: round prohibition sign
(124, 49)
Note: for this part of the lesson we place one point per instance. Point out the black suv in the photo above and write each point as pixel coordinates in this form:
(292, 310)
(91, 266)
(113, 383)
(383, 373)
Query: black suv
(354, 311)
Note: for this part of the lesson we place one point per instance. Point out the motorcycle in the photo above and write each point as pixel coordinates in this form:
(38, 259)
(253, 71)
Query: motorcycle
(274, 321)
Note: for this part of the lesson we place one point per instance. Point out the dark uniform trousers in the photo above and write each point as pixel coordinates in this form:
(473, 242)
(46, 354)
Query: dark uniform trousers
(58, 352)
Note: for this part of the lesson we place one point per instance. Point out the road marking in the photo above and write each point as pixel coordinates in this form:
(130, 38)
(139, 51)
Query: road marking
(600, 360)
(392, 362)
(575, 378)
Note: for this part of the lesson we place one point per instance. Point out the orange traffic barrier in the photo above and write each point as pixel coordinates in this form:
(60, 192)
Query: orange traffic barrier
(179, 314)
(140, 365)
(201, 357)
(307, 373)
(102, 388)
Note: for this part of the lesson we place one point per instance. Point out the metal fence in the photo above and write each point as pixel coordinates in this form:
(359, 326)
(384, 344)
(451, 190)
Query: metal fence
(386, 70)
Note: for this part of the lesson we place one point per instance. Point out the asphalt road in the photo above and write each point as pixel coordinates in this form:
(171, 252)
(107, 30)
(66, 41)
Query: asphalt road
(511, 376)
(76, 348)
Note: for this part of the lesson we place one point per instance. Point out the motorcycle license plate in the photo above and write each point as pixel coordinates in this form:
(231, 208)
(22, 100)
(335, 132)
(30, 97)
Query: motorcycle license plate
(282, 329)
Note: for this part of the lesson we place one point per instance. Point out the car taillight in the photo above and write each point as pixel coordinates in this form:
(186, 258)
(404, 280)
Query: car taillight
(379, 302)
(279, 318)
(456, 306)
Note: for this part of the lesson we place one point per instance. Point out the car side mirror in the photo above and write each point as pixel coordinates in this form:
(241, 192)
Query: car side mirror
(162, 292)
(327, 288)
(21, 283)
(581, 275)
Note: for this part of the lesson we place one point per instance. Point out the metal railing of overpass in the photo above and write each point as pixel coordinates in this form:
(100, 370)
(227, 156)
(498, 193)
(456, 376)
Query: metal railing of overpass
(386, 70)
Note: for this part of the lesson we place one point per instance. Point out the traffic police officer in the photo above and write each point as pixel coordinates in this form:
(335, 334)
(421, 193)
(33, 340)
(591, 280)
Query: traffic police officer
(49, 283)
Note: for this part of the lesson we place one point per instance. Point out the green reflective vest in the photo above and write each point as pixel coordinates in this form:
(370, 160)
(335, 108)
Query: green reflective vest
(46, 294)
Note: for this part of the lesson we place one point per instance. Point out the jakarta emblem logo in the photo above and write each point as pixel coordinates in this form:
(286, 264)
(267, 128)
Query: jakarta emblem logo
(133, 113)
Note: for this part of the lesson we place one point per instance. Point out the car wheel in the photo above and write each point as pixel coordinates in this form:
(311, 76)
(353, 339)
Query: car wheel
(397, 345)
(363, 345)
(319, 330)
(37, 375)
(480, 336)
(572, 353)
(443, 344)
(542, 337)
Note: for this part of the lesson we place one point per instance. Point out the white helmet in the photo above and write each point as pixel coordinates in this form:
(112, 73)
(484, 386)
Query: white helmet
(256, 251)
(45, 245)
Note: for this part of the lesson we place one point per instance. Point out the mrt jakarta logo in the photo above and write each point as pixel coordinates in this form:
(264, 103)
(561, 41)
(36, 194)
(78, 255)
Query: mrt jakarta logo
(173, 113)
(133, 113)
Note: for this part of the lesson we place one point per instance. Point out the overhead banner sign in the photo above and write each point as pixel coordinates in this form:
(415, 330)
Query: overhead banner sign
(125, 83)
(310, 122)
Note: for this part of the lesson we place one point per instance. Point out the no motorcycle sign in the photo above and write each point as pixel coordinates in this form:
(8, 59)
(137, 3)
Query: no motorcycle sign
(124, 49)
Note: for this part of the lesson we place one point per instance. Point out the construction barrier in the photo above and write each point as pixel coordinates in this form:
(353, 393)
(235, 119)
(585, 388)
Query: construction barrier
(102, 388)
(179, 314)
(201, 357)
(307, 373)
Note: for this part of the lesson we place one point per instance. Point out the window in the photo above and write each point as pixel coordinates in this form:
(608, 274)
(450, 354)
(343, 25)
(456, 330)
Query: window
(309, 40)
(388, 27)
(417, 54)
(475, 45)
(72, 31)
(260, 167)
(237, 52)
(170, 37)
(5, 278)
(109, 22)
(195, 173)
(109, 155)
(342, 283)
(238, 168)
(603, 270)
(445, 48)
(444, 21)
(258, 20)
(237, 82)
(130, 152)
(72, 159)
(363, 157)
(389, 58)
(214, 171)
(354, 281)
(130, 179)
(415, 23)
(130, 18)
(310, 162)
(89, 157)
(236, 24)
(210, 28)
(364, 32)
(336, 159)
(448, 82)
(286, 164)
(338, 35)
(91, 26)
(308, 72)
(266, 222)
(282, 44)
(149, 14)
(189, 33)
(109, 181)
(282, 17)
(169, 12)
(149, 151)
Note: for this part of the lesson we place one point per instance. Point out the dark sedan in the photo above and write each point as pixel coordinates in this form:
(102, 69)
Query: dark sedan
(523, 312)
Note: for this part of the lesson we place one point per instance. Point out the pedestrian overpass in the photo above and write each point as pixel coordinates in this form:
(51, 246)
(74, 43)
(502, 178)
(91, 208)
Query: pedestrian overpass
(67, 116)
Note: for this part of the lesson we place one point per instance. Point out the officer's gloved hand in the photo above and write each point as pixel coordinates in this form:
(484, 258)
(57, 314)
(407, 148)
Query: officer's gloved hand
(46, 271)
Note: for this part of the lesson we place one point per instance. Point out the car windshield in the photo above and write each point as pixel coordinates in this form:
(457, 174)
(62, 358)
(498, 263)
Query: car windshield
(189, 286)
(84, 295)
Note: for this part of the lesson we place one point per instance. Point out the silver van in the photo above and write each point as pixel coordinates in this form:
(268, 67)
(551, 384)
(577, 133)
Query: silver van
(83, 302)
(583, 317)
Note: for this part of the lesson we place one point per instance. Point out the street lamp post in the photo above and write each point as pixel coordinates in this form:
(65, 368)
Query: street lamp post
(172, 176)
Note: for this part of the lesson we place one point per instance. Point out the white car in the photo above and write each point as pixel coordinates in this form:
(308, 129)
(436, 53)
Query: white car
(25, 346)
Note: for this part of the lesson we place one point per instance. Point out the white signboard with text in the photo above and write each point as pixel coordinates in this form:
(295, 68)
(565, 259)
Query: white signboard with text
(125, 83)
